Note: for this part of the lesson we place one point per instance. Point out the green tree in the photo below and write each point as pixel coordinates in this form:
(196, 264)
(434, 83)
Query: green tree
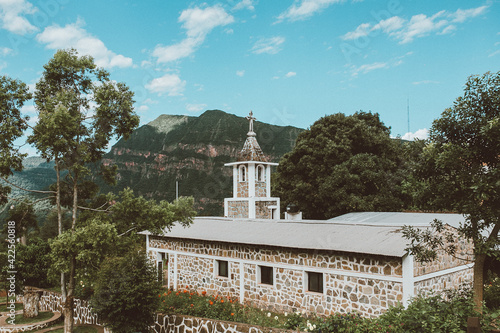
(126, 293)
(460, 171)
(24, 218)
(79, 110)
(13, 95)
(343, 164)
(33, 263)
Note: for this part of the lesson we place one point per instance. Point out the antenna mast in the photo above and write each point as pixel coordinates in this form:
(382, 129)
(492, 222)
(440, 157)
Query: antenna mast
(408, 112)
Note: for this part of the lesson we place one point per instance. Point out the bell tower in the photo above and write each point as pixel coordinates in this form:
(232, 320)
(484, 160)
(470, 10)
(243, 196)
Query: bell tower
(252, 182)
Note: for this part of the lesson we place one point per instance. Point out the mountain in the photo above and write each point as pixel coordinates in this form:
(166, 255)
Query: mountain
(192, 151)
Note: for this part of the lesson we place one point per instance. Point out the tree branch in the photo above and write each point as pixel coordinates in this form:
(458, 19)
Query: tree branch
(129, 230)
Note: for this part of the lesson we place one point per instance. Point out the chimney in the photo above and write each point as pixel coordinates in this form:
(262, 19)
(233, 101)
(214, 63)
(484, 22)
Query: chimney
(293, 213)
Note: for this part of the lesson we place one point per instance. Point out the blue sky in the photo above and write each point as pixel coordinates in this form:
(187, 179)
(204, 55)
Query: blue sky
(290, 61)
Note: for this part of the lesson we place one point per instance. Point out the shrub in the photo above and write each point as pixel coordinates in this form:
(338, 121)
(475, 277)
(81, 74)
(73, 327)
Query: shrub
(492, 292)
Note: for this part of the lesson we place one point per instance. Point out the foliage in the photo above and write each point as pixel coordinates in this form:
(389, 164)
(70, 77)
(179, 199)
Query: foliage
(343, 164)
(13, 95)
(126, 290)
(492, 292)
(446, 312)
(459, 170)
(24, 218)
(200, 304)
(33, 262)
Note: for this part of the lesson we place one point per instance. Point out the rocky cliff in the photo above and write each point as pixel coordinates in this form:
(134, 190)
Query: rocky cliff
(191, 151)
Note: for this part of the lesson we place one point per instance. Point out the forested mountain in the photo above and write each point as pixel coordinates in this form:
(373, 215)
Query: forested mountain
(192, 151)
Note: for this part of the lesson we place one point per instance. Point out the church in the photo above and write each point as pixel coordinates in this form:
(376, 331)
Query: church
(354, 262)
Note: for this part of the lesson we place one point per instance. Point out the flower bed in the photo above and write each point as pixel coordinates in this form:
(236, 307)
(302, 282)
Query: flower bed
(446, 313)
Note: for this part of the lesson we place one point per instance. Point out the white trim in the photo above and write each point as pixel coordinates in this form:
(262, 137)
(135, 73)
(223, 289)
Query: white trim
(289, 266)
(408, 279)
(443, 272)
(242, 283)
(251, 181)
(268, 181)
(235, 181)
(175, 268)
(251, 162)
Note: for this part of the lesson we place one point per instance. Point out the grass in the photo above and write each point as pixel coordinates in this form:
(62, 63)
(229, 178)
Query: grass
(3, 308)
(41, 317)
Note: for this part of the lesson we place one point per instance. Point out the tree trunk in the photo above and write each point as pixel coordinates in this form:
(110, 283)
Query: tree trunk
(59, 223)
(478, 283)
(68, 305)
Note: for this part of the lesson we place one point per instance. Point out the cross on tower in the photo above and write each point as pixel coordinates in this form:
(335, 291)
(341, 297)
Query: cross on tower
(250, 118)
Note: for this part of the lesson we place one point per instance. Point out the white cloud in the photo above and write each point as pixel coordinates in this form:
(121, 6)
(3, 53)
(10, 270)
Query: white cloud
(418, 26)
(74, 36)
(11, 16)
(421, 134)
(198, 23)
(150, 101)
(461, 15)
(494, 54)
(5, 51)
(28, 109)
(244, 4)
(363, 69)
(425, 82)
(290, 74)
(305, 9)
(143, 108)
(270, 45)
(195, 107)
(240, 73)
(170, 84)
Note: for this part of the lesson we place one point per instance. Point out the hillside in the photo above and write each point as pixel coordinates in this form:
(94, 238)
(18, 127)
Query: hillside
(191, 150)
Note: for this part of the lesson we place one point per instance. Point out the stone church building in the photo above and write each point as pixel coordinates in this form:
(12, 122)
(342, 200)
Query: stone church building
(355, 262)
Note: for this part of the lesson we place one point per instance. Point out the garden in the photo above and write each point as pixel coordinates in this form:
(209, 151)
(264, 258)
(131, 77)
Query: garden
(447, 312)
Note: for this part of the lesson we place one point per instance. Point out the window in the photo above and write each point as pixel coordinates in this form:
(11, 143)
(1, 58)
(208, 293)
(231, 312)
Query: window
(315, 282)
(243, 173)
(222, 268)
(266, 275)
(260, 173)
(160, 272)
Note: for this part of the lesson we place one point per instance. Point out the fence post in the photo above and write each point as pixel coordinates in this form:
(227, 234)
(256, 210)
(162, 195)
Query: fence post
(473, 325)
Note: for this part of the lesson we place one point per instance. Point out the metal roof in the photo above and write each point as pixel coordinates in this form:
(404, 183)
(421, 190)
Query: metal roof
(372, 233)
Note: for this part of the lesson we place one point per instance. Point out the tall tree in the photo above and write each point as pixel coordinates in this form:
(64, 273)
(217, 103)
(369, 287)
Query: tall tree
(460, 171)
(342, 164)
(79, 109)
(13, 95)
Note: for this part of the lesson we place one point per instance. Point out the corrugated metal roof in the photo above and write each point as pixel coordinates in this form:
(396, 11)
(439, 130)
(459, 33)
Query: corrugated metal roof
(372, 233)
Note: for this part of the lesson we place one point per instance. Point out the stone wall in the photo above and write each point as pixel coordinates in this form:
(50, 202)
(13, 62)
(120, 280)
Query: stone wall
(237, 209)
(260, 189)
(242, 190)
(450, 281)
(262, 211)
(51, 301)
(446, 261)
(370, 294)
(179, 323)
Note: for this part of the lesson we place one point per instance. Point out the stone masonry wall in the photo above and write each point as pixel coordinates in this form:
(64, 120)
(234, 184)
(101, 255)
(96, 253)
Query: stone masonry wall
(450, 281)
(179, 323)
(368, 296)
(262, 211)
(445, 261)
(260, 189)
(237, 209)
(242, 190)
